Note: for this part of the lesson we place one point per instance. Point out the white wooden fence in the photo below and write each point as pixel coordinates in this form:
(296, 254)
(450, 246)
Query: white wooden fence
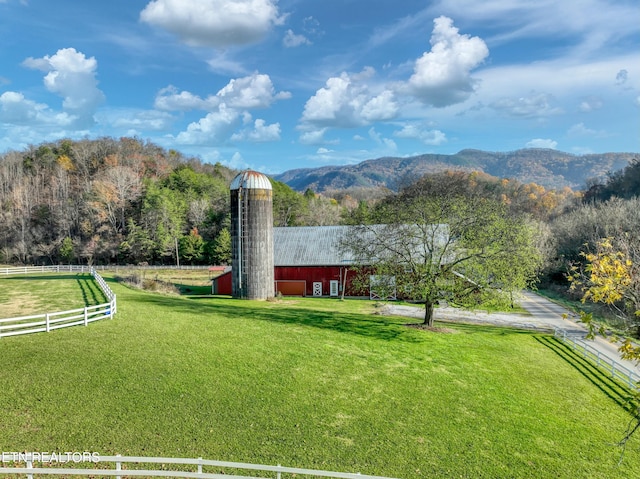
(617, 371)
(60, 319)
(223, 470)
(61, 268)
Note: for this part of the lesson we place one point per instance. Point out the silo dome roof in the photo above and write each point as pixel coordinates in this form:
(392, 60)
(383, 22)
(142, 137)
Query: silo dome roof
(250, 179)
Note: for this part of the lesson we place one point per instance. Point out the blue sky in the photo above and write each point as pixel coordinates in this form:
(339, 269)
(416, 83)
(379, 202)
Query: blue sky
(276, 85)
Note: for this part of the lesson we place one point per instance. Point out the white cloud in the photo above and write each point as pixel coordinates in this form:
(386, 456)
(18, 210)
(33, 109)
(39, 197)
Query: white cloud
(138, 120)
(533, 106)
(581, 130)
(16, 109)
(170, 99)
(542, 143)
(388, 143)
(292, 40)
(426, 136)
(227, 110)
(255, 91)
(594, 24)
(590, 104)
(261, 133)
(442, 76)
(213, 128)
(381, 107)
(213, 23)
(346, 101)
(223, 65)
(314, 137)
(30, 121)
(71, 75)
(561, 77)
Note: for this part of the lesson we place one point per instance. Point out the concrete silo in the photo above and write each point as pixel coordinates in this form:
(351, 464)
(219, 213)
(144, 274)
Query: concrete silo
(252, 236)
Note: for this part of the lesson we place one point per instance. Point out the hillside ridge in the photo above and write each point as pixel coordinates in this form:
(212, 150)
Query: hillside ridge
(549, 168)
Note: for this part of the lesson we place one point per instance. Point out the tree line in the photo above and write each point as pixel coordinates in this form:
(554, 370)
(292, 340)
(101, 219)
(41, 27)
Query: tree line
(108, 200)
(127, 201)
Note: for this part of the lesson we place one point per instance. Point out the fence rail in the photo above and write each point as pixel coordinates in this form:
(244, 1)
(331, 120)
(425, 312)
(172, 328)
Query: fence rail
(226, 470)
(61, 268)
(65, 268)
(617, 370)
(60, 319)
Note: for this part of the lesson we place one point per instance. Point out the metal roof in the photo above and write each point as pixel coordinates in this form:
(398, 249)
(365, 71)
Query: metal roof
(250, 179)
(320, 245)
(308, 246)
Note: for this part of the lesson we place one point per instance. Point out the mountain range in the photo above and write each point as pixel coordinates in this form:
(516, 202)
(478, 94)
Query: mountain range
(546, 167)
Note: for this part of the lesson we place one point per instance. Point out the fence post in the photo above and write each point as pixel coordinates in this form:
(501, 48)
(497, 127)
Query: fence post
(47, 322)
(86, 316)
(200, 465)
(118, 467)
(29, 466)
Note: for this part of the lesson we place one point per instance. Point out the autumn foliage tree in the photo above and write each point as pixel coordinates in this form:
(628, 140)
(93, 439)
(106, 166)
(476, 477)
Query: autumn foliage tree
(612, 276)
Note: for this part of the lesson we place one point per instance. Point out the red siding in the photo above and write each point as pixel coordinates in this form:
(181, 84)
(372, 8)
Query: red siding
(309, 274)
(222, 284)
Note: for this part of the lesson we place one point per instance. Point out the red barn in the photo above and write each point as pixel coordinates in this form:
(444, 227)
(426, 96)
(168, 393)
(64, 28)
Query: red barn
(307, 262)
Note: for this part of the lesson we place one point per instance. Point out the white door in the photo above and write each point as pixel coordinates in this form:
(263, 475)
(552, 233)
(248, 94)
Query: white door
(333, 288)
(317, 288)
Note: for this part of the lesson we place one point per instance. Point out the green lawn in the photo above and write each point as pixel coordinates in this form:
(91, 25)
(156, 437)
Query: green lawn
(314, 383)
(24, 295)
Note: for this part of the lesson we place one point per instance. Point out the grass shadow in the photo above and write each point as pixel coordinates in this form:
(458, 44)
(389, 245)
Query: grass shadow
(91, 294)
(495, 329)
(387, 328)
(378, 327)
(22, 277)
(615, 390)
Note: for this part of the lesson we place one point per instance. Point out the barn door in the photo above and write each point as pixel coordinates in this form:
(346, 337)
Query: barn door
(333, 288)
(317, 288)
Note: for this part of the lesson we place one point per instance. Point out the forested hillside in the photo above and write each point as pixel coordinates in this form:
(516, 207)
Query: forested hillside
(549, 168)
(126, 201)
(104, 199)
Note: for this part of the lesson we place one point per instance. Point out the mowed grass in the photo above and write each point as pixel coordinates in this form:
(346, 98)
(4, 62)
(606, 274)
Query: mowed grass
(186, 281)
(24, 295)
(313, 383)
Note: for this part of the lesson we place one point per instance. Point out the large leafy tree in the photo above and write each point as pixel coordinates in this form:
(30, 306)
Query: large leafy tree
(192, 246)
(163, 216)
(138, 246)
(439, 239)
(221, 247)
